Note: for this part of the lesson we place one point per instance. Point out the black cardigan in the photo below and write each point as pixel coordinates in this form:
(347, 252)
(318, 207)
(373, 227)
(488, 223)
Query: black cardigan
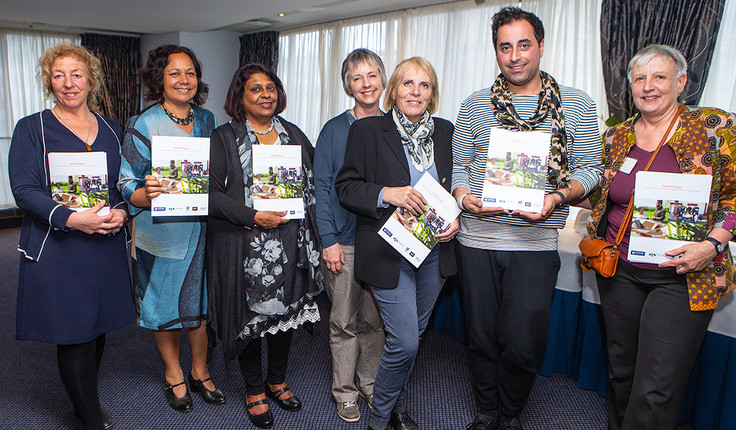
(227, 220)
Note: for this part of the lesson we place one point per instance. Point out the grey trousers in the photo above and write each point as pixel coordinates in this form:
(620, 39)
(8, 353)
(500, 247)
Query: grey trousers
(652, 339)
(356, 333)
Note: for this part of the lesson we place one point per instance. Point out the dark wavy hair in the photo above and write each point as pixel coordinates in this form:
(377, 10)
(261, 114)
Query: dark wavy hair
(152, 74)
(234, 101)
(510, 14)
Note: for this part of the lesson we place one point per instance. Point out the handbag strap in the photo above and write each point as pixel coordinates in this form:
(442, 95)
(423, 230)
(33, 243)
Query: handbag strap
(630, 207)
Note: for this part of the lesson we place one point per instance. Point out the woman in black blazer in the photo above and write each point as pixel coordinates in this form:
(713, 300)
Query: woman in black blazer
(384, 158)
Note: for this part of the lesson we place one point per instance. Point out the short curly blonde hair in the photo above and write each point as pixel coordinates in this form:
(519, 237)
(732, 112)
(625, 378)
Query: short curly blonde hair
(95, 80)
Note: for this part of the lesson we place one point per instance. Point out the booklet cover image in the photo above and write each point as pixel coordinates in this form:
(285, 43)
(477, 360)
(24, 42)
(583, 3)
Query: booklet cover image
(278, 182)
(674, 220)
(277, 179)
(670, 210)
(516, 170)
(182, 166)
(183, 176)
(79, 180)
(79, 191)
(423, 228)
(414, 237)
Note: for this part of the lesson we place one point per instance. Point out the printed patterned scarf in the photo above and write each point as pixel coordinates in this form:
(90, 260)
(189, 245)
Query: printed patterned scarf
(549, 104)
(418, 137)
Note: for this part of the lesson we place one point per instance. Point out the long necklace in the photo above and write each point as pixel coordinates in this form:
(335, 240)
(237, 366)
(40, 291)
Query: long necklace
(86, 139)
(181, 121)
(266, 131)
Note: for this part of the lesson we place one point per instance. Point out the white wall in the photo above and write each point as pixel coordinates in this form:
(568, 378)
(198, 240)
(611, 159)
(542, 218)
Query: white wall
(218, 53)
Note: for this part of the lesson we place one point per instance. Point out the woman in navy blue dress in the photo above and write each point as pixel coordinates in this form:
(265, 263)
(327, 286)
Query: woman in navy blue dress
(70, 304)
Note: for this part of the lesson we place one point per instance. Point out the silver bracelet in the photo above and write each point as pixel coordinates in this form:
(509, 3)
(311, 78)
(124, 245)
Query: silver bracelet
(460, 201)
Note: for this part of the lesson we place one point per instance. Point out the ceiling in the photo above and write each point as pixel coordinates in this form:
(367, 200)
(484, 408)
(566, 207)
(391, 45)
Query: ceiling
(164, 16)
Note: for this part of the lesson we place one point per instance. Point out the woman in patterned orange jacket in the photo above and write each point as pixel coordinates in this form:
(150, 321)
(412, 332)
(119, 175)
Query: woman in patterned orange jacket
(656, 315)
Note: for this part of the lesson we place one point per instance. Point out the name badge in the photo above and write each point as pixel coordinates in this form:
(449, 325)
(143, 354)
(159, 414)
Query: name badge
(628, 165)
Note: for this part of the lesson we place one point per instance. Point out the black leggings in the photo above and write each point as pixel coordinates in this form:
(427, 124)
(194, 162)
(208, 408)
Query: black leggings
(78, 366)
(278, 358)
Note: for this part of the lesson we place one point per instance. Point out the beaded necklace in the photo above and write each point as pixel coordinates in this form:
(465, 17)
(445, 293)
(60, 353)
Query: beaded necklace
(264, 132)
(181, 121)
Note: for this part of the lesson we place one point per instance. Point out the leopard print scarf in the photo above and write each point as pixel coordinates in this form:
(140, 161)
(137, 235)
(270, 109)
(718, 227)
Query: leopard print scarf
(549, 104)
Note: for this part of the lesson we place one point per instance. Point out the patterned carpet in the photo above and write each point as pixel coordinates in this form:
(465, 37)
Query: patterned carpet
(131, 382)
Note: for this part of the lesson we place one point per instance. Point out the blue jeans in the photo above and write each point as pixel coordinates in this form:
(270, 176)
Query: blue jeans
(405, 311)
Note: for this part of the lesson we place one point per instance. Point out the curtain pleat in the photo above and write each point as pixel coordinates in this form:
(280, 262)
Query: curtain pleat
(121, 59)
(627, 26)
(261, 47)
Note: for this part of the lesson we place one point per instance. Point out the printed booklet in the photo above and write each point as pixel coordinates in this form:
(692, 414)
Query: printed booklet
(516, 170)
(182, 165)
(79, 180)
(277, 179)
(414, 237)
(670, 210)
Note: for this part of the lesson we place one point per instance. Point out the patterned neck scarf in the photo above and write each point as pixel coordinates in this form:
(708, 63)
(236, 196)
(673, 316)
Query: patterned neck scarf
(549, 104)
(418, 137)
(245, 138)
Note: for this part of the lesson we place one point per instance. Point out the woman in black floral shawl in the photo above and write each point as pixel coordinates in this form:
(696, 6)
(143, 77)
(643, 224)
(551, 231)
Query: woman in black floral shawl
(263, 269)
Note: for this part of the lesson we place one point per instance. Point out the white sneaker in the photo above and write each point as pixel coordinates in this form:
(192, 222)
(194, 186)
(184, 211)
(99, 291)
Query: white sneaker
(348, 411)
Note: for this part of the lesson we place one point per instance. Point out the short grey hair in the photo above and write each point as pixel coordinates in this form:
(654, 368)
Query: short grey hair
(645, 55)
(360, 55)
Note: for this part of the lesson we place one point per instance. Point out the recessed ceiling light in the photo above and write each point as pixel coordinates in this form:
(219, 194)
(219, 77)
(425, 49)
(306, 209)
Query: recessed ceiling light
(282, 14)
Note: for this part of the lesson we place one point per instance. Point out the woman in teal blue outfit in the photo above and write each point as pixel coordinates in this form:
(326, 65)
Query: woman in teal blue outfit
(170, 250)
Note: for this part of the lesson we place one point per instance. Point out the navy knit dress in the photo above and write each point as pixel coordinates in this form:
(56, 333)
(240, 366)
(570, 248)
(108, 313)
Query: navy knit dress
(76, 286)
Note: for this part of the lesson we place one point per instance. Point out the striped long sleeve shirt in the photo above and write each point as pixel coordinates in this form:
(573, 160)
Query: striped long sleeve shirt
(470, 149)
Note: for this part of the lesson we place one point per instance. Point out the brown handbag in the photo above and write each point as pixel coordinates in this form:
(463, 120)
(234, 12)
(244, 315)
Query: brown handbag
(601, 256)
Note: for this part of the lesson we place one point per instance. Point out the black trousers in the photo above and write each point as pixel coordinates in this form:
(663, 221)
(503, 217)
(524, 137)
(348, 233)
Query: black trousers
(507, 297)
(278, 358)
(78, 366)
(653, 339)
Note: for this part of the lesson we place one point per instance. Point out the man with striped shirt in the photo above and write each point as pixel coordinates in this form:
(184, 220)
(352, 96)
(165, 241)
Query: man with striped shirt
(509, 260)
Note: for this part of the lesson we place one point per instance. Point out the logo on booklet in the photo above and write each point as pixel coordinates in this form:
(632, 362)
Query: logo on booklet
(388, 232)
(640, 253)
(159, 209)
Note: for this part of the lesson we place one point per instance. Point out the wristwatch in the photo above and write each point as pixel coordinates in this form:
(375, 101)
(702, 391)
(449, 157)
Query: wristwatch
(717, 243)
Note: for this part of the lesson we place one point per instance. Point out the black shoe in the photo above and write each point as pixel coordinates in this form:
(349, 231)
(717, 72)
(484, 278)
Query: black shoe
(180, 404)
(290, 404)
(264, 420)
(480, 424)
(402, 421)
(506, 424)
(212, 397)
(107, 422)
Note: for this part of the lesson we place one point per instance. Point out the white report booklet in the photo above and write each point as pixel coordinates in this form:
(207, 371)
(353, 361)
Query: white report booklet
(670, 210)
(277, 179)
(79, 180)
(414, 237)
(516, 170)
(182, 165)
